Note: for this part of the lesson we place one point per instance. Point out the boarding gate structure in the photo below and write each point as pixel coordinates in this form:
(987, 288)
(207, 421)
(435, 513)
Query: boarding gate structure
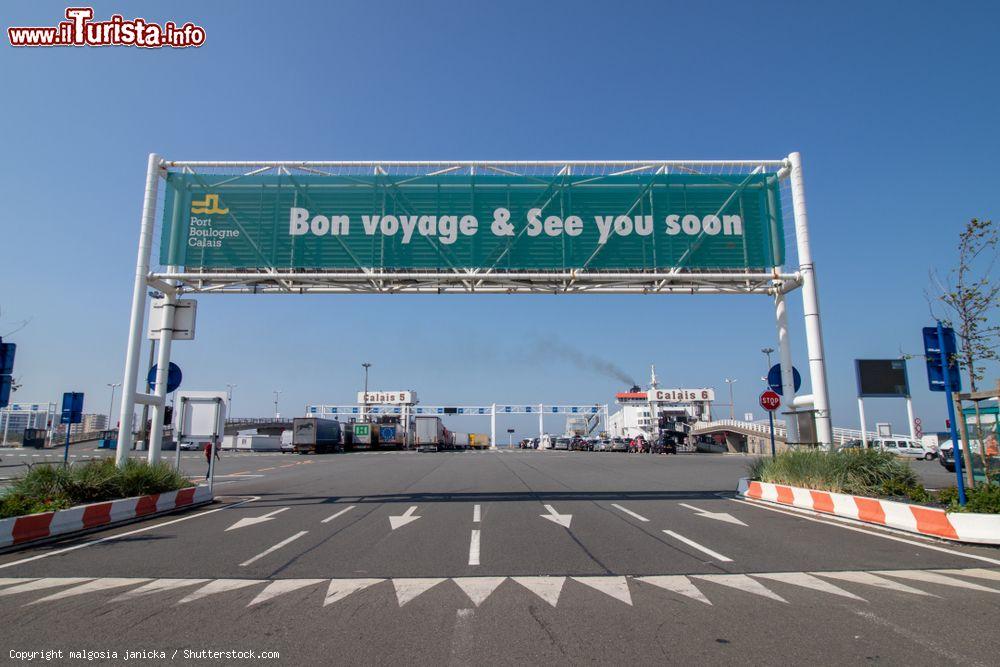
(653, 227)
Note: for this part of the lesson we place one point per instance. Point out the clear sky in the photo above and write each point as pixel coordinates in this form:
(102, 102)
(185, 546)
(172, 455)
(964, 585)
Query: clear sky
(892, 104)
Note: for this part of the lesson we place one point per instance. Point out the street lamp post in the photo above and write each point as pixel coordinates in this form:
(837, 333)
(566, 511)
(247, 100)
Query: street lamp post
(277, 392)
(229, 398)
(732, 402)
(367, 366)
(767, 353)
(111, 408)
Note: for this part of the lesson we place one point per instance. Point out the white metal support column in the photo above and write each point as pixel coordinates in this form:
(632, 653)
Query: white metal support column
(810, 305)
(129, 380)
(541, 423)
(787, 372)
(162, 373)
(861, 416)
(910, 418)
(493, 425)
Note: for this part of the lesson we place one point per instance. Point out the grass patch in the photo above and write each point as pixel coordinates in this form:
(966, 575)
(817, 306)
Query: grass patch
(53, 487)
(864, 472)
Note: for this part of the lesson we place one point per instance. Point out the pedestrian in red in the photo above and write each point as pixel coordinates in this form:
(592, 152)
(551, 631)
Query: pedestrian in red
(208, 457)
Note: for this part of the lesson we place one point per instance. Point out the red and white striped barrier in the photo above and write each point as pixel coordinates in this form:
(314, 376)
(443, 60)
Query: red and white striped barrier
(931, 521)
(19, 530)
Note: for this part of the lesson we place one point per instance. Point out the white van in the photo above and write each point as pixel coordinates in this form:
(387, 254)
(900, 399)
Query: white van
(904, 447)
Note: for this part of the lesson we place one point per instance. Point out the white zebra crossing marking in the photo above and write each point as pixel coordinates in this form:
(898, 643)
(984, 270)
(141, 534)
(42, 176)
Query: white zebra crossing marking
(341, 588)
(808, 581)
(934, 578)
(676, 583)
(976, 572)
(616, 587)
(478, 588)
(218, 586)
(92, 586)
(407, 589)
(869, 579)
(282, 586)
(547, 588)
(41, 584)
(741, 582)
(158, 586)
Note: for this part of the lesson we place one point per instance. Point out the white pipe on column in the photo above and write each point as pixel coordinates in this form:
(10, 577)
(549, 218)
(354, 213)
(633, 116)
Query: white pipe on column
(810, 305)
(909, 416)
(787, 372)
(137, 316)
(162, 373)
(861, 415)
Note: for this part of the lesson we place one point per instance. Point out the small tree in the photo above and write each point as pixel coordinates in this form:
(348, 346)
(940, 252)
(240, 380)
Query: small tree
(967, 298)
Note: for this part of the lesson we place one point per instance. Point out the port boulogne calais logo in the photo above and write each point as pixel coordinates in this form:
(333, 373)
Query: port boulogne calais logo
(202, 233)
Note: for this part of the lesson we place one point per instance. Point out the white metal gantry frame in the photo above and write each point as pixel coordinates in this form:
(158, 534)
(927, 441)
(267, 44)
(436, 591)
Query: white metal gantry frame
(491, 411)
(172, 281)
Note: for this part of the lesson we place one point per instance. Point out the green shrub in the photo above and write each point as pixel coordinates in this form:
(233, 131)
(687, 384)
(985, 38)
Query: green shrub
(855, 471)
(948, 496)
(50, 487)
(982, 498)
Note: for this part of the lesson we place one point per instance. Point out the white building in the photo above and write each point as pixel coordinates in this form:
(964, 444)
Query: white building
(641, 410)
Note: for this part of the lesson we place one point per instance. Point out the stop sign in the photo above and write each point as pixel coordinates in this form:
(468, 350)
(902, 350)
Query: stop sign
(770, 401)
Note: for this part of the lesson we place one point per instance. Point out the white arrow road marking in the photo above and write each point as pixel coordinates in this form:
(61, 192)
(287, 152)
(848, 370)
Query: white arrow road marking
(334, 516)
(718, 516)
(282, 586)
(405, 518)
(629, 512)
(42, 584)
(274, 548)
(870, 579)
(218, 586)
(555, 517)
(809, 581)
(933, 578)
(478, 588)
(977, 572)
(91, 586)
(741, 582)
(250, 521)
(547, 588)
(407, 589)
(691, 543)
(476, 514)
(677, 584)
(474, 548)
(616, 587)
(157, 586)
(341, 588)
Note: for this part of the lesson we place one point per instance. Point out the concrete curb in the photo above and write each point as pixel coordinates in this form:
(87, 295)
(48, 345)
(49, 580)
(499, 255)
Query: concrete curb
(930, 521)
(21, 530)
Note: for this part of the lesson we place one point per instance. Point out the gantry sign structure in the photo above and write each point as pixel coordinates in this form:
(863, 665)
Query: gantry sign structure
(482, 227)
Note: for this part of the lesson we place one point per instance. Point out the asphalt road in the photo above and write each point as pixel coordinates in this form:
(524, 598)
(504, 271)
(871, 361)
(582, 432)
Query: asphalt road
(506, 557)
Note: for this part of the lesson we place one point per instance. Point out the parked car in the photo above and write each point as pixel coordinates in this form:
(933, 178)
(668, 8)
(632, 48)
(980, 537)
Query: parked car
(904, 447)
(619, 445)
(946, 455)
(561, 443)
(602, 446)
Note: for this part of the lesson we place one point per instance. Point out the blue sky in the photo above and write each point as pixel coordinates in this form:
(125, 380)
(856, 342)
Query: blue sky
(892, 104)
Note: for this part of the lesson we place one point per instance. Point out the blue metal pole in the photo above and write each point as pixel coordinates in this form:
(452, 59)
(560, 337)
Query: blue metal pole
(66, 448)
(770, 419)
(956, 450)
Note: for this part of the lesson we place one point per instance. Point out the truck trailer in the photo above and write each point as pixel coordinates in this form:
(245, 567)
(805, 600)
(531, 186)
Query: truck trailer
(313, 435)
(429, 433)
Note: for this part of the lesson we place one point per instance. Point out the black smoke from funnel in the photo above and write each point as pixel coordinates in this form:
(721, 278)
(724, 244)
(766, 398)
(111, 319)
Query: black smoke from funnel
(584, 361)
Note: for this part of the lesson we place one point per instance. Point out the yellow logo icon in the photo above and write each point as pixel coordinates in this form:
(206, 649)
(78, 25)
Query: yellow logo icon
(208, 206)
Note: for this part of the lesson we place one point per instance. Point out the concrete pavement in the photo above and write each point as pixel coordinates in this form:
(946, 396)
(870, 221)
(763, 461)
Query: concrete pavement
(503, 557)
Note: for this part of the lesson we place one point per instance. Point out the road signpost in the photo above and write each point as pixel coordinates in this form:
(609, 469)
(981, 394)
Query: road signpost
(770, 400)
(7, 351)
(943, 375)
(72, 413)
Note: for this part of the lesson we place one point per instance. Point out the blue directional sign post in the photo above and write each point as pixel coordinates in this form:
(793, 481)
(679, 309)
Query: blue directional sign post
(6, 371)
(943, 375)
(174, 377)
(774, 379)
(72, 413)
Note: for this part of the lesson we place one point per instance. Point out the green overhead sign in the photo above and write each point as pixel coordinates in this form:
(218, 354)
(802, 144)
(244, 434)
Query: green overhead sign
(507, 223)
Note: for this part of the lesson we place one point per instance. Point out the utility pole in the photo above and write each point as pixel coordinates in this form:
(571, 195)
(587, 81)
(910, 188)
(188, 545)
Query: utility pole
(111, 408)
(229, 399)
(767, 353)
(732, 402)
(277, 392)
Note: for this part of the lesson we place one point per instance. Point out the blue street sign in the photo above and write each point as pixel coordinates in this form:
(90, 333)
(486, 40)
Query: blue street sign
(527, 408)
(174, 377)
(6, 382)
(935, 369)
(7, 351)
(593, 411)
(482, 411)
(555, 409)
(506, 408)
(774, 379)
(312, 409)
(72, 408)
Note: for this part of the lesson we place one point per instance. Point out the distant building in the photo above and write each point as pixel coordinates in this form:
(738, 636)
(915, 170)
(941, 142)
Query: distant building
(91, 422)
